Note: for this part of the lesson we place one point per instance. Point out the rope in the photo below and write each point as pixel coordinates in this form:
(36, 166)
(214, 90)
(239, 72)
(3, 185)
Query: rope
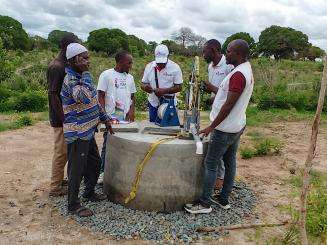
(140, 166)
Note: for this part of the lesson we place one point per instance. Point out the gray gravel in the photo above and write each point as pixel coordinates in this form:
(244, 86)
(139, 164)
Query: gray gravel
(124, 223)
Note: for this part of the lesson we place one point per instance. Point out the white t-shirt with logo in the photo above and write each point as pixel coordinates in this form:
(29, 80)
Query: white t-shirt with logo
(167, 77)
(217, 73)
(118, 88)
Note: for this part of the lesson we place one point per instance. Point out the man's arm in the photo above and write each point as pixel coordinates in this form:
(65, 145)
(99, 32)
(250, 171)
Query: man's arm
(130, 116)
(101, 98)
(55, 75)
(147, 87)
(227, 107)
(81, 92)
(210, 88)
(175, 89)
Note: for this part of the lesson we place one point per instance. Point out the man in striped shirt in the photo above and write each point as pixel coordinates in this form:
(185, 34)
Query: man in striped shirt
(82, 113)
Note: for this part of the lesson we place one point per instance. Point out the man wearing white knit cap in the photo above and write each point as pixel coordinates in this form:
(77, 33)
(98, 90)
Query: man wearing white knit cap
(82, 113)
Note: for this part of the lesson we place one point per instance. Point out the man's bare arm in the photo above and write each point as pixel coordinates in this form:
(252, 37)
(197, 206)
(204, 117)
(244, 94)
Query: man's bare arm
(101, 98)
(147, 87)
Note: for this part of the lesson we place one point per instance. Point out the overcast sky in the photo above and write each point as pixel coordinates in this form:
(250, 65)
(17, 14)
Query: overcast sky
(157, 19)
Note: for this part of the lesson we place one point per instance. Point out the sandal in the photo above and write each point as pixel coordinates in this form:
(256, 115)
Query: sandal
(82, 212)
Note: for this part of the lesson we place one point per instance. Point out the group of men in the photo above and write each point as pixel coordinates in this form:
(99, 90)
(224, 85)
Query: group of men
(76, 107)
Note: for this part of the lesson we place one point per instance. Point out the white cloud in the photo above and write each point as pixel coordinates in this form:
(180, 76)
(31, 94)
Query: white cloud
(158, 19)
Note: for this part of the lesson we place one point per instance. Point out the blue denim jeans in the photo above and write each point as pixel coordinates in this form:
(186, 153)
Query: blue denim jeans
(152, 112)
(222, 146)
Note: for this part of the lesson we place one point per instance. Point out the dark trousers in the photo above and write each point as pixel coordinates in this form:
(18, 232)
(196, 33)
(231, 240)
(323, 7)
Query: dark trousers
(103, 150)
(83, 161)
(222, 146)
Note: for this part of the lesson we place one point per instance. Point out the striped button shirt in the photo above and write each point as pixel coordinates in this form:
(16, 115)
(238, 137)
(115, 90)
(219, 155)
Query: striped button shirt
(82, 111)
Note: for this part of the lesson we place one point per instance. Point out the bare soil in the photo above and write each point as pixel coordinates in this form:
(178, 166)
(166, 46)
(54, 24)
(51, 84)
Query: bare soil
(26, 215)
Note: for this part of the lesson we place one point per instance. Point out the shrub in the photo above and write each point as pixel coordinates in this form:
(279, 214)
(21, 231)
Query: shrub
(24, 120)
(267, 146)
(26, 101)
(141, 100)
(247, 152)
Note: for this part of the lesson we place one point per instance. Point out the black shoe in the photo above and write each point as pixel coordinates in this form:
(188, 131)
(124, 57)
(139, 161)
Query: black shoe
(220, 202)
(198, 207)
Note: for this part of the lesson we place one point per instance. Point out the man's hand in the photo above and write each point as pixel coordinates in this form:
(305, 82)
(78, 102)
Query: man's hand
(81, 63)
(108, 126)
(159, 92)
(206, 131)
(130, 116)
(209, 87)
(147, 88)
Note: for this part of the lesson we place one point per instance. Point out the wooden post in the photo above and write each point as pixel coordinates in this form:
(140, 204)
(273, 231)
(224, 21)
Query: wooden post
(310, 156)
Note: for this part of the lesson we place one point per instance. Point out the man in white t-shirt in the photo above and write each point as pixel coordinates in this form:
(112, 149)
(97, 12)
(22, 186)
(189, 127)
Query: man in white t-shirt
(162, 79)
(228, 120)
(116, 89)
(218, 69)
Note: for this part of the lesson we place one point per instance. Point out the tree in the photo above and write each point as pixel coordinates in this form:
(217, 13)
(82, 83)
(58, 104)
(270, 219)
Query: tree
(113, 40)
(55, 36)
(199, 41)
(40, 43)
(152, 45)
(314, 52)
(174, 48)
(5, 68)
(282, 42)
(139, 45)
(184, 36)
(241, 35)
(12, 34)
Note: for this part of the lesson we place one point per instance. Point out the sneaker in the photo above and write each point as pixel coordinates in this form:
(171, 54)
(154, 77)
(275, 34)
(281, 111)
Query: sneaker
(197, 208)
(220, 202)
(100, 179)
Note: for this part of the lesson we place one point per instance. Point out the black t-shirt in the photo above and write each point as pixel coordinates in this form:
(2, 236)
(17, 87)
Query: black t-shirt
(55, 77)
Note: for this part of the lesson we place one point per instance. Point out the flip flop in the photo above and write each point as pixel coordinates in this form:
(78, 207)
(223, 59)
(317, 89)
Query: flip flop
(82, 212)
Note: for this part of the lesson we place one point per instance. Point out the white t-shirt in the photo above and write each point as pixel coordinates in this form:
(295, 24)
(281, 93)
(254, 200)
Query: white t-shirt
(167, 77)
(236, 119)
(118, 88)
(217, 73)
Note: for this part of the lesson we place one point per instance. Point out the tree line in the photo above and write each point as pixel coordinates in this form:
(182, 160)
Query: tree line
(279, 42)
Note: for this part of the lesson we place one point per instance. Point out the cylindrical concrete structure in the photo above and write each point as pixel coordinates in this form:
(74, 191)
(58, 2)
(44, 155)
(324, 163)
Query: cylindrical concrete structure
(171, 178)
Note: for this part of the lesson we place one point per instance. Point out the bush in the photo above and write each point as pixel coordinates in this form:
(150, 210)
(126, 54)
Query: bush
(267, 146)
(263, 146)
(24, 120)
(247, 152)
(141, 100)
(27, 101)
(4, 93)
(316, 220)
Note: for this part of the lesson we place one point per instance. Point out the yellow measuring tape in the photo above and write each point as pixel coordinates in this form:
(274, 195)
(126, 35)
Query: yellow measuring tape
(141, 164)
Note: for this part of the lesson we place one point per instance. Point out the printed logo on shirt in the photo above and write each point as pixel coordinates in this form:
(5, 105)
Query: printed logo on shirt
(167, 74)
(120, 83)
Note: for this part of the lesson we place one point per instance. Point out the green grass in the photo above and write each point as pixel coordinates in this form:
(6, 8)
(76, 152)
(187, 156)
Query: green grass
(12, 120)
(316, 221)
(256, 117)
(260, 145)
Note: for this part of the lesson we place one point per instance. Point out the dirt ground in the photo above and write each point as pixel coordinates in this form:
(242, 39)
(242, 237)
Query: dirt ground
(26, 216)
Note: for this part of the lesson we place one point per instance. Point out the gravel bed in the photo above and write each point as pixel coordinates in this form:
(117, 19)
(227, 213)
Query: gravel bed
(124, 223)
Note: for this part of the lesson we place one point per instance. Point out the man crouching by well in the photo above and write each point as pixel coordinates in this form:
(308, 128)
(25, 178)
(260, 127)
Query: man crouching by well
(228, 120)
